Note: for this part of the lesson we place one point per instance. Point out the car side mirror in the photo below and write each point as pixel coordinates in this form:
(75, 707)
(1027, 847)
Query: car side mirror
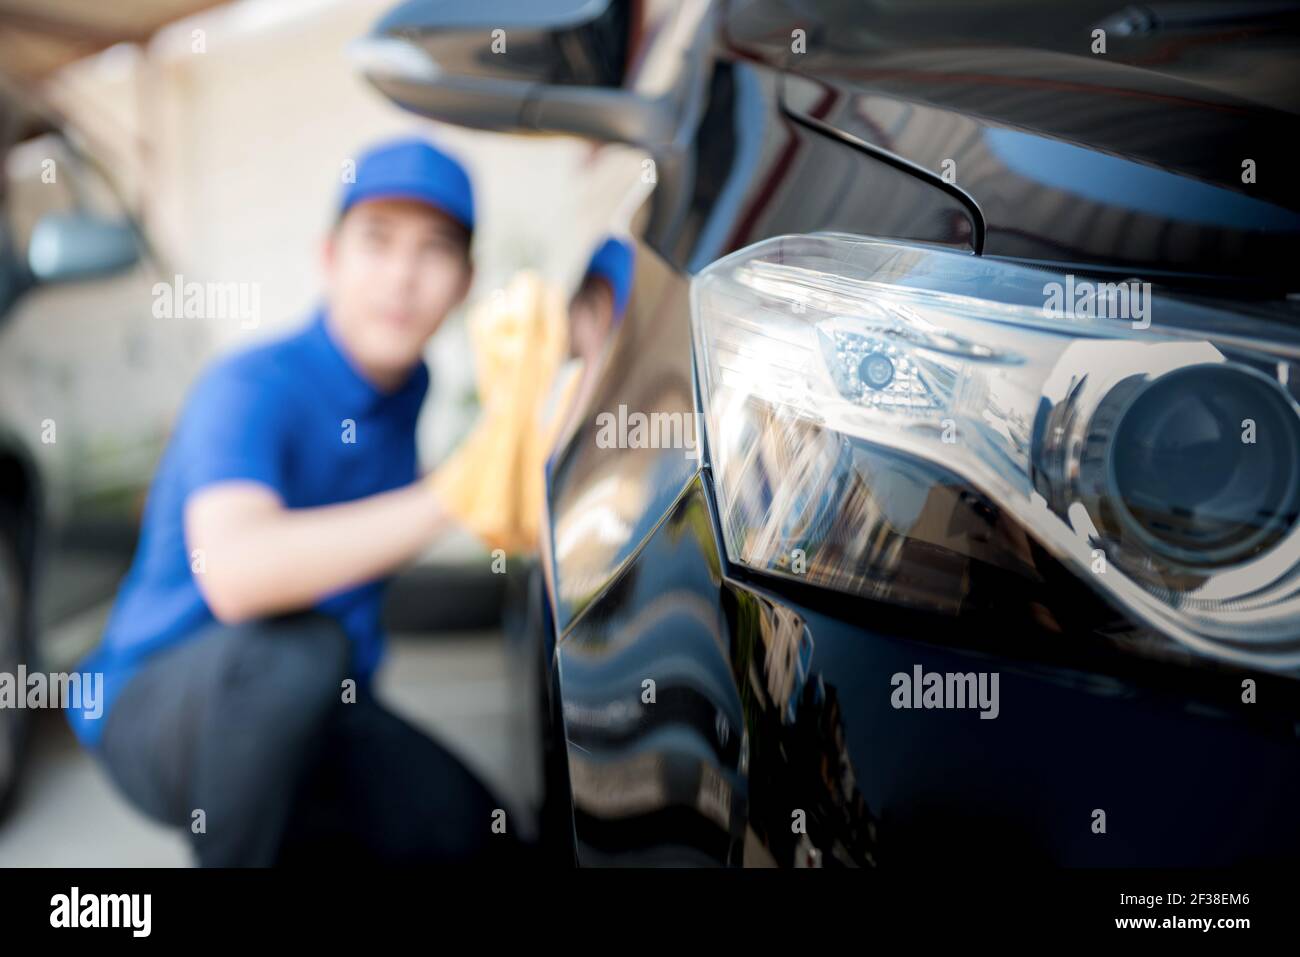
(552, 66)
(80, 245)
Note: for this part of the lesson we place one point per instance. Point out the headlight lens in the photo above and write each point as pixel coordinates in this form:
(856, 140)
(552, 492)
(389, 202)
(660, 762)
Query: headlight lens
(1184, 479)
(901, 422)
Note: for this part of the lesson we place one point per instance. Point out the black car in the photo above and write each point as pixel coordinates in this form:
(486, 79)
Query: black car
(989, 542)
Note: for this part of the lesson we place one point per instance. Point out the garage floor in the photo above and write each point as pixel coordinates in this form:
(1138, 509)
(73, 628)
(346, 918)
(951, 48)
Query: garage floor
(454, 685)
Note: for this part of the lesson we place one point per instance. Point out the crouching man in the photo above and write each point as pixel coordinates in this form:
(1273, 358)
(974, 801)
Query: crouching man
(239, 654)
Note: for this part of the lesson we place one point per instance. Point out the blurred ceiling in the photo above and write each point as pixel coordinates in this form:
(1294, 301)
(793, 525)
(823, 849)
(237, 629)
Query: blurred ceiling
(39, 36)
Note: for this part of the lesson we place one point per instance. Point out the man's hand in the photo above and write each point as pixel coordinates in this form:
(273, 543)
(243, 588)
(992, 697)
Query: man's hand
(252, 557)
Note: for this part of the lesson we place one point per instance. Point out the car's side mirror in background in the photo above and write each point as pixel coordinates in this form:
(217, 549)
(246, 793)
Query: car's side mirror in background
(80, 245)
(582, 67)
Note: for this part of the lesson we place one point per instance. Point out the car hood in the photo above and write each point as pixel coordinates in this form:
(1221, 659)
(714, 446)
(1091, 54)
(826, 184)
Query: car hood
(1163, 157)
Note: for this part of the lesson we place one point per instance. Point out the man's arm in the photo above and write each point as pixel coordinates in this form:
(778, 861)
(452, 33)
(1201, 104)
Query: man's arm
(260, 558)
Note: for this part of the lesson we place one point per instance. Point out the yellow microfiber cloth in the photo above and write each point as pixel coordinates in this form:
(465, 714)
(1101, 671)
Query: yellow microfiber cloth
(494, 482)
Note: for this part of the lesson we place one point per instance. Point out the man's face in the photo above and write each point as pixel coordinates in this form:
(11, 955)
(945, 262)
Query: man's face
(393, 270)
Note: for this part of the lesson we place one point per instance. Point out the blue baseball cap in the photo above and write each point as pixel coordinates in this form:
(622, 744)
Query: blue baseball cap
(612, 261)
(412, 168)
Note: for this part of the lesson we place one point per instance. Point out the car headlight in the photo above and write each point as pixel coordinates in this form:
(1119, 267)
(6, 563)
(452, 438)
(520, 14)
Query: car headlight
(914, 424)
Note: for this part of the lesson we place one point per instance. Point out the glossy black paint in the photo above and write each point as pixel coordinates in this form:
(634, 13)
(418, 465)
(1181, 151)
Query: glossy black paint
(766, 707)
(1129, 160)
(772, 699)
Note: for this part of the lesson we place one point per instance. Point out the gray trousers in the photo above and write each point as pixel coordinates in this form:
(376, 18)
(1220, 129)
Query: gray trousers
(240, 736)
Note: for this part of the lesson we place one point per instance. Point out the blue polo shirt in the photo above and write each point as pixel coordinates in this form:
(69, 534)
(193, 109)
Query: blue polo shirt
(293, 414)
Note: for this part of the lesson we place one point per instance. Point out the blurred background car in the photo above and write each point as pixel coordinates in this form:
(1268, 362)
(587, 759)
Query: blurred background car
(79, 354)
(859, 209)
